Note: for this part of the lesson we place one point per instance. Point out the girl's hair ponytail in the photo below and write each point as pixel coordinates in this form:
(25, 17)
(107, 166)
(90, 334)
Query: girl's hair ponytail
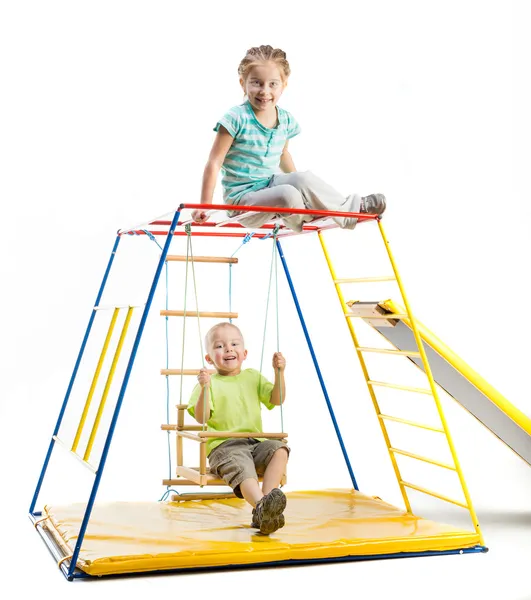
(259, 54)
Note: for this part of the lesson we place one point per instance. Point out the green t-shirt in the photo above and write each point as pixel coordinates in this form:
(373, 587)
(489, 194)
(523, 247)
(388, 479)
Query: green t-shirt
(234, 403)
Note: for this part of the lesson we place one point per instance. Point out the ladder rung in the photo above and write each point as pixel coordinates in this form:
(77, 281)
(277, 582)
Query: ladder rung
(412, 423)
(202, 259)
(180, 432)
(434, 494)
(205, 496)
(193, 313)
(366, 279)
(395, 386)
(422, 458)
(388, 351)
(385, 317)
(184, 371)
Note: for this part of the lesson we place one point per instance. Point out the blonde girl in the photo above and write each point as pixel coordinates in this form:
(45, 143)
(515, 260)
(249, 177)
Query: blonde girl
(251, 149)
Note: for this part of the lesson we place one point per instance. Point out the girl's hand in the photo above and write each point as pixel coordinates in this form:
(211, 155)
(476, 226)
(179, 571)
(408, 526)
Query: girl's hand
(199, 216)
(279, 362)
(203, 378)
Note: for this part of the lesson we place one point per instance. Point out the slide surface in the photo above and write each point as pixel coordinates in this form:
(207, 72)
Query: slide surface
(457, 378)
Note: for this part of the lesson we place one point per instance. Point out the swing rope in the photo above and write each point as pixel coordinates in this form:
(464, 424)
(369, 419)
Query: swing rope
(189, 258)
(274, 264)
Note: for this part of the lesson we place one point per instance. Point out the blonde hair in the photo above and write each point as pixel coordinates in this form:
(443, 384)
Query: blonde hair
(212, 330)
(259, 54)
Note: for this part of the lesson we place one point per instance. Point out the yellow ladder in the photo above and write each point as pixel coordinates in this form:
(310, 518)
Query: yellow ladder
(432, 391)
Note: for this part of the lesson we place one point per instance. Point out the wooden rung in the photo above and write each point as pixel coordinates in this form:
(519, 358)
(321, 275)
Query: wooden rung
(239, 434)
(208, 478)
(434, 494)
(189, 436)
(423, 459)
(193, 313)
(194, 479)
(205, 496)
(388, 351)
(385, 317)
(412, 423)
(366, 279)
(184, 371)
(189, 428)
(395, 386)
(202, 259)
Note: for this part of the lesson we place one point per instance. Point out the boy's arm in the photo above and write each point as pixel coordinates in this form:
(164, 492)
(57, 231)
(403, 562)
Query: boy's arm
(202, 408)
(278, 394)
(286, 161)
(222, 143)
(202, 412)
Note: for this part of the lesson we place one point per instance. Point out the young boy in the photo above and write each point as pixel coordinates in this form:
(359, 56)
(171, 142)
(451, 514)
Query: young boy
(230, 400)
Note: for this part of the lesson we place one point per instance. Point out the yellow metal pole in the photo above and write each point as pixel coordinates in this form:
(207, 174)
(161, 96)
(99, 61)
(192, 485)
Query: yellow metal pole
(108, 384)
(95, 379)
(365, 374)
(433, 386)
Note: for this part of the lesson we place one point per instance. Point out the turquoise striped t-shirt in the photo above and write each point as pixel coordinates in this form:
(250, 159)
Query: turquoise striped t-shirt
(254, 156)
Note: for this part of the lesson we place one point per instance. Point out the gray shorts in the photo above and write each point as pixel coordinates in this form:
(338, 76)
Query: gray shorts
(239, 459)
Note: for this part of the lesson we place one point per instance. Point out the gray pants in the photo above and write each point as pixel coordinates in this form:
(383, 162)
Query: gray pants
(299, 190)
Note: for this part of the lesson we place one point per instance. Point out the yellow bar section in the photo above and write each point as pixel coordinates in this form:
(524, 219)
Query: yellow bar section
(433, 386)
(435, 495)
(412, 423)
(423, 459)
(460, 365)
(365, 279)
(108, 384)
(365, 374)
(95, 380)
(395, 386)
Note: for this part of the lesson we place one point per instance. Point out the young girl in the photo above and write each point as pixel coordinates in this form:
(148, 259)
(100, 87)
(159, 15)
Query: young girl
(252, 144)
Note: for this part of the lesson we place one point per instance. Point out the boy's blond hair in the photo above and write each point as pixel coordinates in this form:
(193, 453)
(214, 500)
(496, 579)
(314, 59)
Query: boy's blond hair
(212, 330)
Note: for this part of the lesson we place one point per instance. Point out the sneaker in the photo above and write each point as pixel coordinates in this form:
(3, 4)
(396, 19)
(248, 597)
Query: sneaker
(373, 205)
(267, 514)
(256, 524)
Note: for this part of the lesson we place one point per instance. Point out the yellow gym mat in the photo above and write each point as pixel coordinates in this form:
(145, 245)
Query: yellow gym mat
(129, 537)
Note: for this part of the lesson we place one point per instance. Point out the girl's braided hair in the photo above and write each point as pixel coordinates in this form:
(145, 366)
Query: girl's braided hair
(259, 54)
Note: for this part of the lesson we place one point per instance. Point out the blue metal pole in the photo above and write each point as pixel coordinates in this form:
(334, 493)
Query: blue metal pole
(72, 379)
(112, 426)
(316, 365)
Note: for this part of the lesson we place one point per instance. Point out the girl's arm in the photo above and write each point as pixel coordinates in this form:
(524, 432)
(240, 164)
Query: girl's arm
(278, 394)
(220, 147)
(286, 162)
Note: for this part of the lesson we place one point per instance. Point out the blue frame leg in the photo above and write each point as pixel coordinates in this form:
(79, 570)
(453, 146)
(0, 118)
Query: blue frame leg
(116, 413)
(73, 377)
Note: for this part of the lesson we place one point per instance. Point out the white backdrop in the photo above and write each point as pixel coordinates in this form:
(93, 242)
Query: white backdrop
(106, 120)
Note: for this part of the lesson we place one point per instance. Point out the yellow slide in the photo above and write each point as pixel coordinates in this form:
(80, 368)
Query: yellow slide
(459, 380)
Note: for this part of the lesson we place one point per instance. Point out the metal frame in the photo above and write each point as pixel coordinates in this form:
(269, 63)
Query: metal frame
(226, 229)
